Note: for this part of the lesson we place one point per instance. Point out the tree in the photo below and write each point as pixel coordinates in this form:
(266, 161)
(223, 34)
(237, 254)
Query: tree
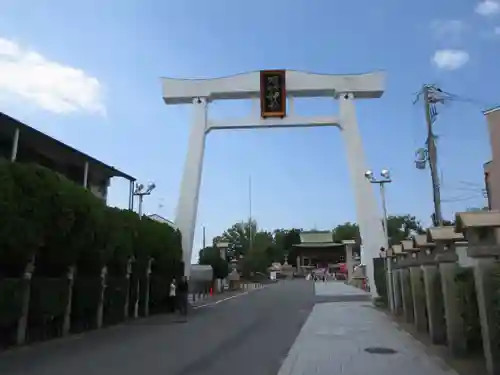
(284, 239)
(401, 227)
(238, 237)
(347, 231)
(211, 256)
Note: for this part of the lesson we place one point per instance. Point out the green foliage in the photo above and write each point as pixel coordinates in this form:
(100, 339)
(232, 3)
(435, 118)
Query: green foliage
(115, 296)
(48, 297)
(211, 256)
(290, 237)
(59, 224)
(159, 242)
(86, 294)
(11, 295)
(493, 306)
(46, 215)
(158, 292)
(380, 276)
(469, 308)
(257, 249)
(439, 299)
(346, 231)
(399, 227)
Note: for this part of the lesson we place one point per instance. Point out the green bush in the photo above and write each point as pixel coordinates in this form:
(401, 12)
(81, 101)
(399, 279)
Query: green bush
(48, 218)
(380, 276)
(86, 294)
(115, 296)
(159, 292)
(48, 297)
(11, 295)
(493, 306)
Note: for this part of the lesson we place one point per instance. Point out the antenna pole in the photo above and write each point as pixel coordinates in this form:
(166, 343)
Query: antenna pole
(250, 228)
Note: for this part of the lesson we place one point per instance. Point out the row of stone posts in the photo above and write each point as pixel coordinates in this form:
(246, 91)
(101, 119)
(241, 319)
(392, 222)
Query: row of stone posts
(22, 325)
(425, 287)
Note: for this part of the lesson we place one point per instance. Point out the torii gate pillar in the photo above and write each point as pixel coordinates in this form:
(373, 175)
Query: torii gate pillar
(345, 88)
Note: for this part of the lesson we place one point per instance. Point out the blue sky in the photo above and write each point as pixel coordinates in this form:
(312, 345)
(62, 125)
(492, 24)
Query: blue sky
(94, 83)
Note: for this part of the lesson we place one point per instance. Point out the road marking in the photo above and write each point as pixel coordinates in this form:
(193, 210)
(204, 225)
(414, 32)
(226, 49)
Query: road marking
(228, 298)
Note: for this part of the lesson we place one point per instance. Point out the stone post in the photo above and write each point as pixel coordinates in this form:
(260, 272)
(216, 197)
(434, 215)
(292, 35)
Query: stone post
(479, 229)
(146, 289)
(444, 237)
(100, 306)
(389, 265)
(432, 288)
(128, 272)
(137, 287)
(349, 258)
(417, 285)
(404, 273)
(396, 279)
(22, 324)
(67, 313)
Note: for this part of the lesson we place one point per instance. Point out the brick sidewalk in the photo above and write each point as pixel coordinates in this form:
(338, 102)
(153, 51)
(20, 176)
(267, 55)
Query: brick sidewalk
(336, 336)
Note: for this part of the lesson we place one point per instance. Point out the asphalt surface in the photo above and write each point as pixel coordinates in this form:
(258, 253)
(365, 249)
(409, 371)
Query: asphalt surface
(245, 335)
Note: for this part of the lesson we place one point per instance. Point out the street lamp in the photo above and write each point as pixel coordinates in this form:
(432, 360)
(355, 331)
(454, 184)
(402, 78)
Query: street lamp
(140, 192)
(385, 178)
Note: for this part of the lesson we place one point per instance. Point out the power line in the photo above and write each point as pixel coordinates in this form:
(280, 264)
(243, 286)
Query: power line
(433, 98)
(462, 198)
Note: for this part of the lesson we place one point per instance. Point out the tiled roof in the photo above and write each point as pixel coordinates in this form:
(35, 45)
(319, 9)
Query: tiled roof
(443, 234)
(319, 244)
(407, 245)
(477, 219)
(420, 240)
(316, 237)
(398, 249)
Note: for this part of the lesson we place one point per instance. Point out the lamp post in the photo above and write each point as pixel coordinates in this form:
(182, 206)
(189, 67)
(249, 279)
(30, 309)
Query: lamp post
(141, 191)
(385, 178)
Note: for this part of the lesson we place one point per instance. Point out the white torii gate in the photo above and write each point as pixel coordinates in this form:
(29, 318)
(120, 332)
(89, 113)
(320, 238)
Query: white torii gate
(345, 88)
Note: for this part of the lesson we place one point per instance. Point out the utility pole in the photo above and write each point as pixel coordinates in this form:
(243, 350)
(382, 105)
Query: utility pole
(432, 156)
(140, 192)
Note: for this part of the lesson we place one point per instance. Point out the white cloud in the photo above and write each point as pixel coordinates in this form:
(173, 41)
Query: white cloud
(48, 84)
(449, 59)
(448, 30)
(488, 7)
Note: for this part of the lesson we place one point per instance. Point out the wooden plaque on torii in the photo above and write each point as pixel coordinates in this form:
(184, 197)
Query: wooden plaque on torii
(273, 93)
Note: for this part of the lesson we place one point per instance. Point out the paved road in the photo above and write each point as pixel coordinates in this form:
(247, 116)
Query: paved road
(247, 335)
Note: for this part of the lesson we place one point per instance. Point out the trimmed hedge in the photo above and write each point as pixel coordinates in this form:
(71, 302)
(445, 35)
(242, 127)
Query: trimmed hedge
(57, 223)
(380, 276)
